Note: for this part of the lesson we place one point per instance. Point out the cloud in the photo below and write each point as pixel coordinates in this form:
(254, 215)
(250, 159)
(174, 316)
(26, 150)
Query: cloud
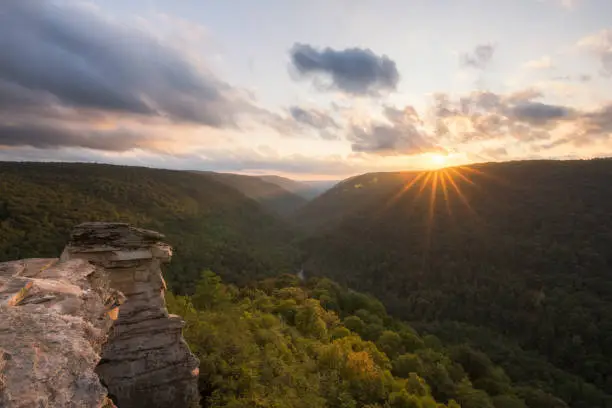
(355, 71)
(600, 45)
(494, 152)
(479, 58)
(245, 160)
(49, 137)
(316, 120)
(537, 112)
(312, 117)
(485, 116)
(403, 135)
(598, 121)
(75, 57)
(542, 63)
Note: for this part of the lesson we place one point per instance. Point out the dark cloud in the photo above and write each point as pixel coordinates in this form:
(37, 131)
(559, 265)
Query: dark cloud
(314, 118)
(311, 119)
(355, 71)
(401, 137)
(536, 112)
(48, 137)
(598, 121)
(479, 58)
(74, 57)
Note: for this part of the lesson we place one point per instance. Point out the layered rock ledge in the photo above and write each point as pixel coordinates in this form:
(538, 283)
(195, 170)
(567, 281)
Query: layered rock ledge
(54, 319)
(58, 344)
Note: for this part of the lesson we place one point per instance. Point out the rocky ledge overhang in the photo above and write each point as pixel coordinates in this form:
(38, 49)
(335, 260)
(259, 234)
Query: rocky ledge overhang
(64, 340)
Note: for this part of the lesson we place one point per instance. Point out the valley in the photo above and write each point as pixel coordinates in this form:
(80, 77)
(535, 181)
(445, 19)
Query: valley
(510, 260)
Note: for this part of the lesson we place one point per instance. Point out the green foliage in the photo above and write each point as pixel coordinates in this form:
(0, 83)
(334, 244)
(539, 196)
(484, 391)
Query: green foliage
(407, 364)
(270, 195)
(390, 343)
(209, 224)
(518, 250)
(273, 344)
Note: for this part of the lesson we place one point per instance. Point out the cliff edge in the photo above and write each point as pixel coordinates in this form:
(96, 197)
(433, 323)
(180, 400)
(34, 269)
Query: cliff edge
(90, 329)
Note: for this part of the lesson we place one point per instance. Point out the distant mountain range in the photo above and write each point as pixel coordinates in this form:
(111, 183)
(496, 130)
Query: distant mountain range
(307, 189)
(281, 195)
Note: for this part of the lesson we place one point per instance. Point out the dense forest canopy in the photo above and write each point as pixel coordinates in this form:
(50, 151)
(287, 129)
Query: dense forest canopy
(210, 224)
(518, 249)
(502, 271)
(285, 343)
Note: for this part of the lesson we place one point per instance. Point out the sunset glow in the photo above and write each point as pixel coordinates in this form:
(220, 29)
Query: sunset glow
(202, 87)
(438, 160)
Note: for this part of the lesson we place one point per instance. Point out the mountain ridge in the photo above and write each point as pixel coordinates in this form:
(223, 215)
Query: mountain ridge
(520, 248)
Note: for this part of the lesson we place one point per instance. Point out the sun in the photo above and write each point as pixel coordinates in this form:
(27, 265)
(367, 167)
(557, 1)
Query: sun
(438, 160)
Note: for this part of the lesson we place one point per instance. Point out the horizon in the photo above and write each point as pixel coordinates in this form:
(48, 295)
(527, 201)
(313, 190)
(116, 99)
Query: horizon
(314, 180)
(335, 90)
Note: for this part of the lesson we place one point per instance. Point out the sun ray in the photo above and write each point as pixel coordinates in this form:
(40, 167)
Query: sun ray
(389, 203)
(448, 182)
(430, 214)
(461, 195)
(404, 190)
(443, 177)
(432, 197)
(425, 182)
(489, 176)
(463, 177)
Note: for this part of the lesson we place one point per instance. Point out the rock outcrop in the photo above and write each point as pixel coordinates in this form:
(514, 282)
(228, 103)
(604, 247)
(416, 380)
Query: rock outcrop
(64, 342)
(146, 362)
(54, 318)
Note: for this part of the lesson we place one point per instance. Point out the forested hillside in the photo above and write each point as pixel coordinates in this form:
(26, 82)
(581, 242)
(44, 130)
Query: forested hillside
(270, 195)
(284, 343)
(305, 189)
(209, 224)
(513, 257)
(503, 269)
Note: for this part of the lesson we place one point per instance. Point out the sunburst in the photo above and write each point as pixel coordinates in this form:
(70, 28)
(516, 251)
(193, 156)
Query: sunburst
(446, 180)
(445, 184)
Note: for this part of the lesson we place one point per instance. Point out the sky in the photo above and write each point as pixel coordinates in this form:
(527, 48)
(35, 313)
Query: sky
(313, 89)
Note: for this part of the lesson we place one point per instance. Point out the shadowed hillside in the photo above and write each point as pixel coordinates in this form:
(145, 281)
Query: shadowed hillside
(519, 249)
(270, 195)
(306, 189)
(210, 224)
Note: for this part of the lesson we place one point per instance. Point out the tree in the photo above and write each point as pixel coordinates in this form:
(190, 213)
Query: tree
(390, 342)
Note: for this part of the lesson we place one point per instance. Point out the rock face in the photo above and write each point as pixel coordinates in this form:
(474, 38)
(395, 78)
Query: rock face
(146, 362)
(54, 317)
